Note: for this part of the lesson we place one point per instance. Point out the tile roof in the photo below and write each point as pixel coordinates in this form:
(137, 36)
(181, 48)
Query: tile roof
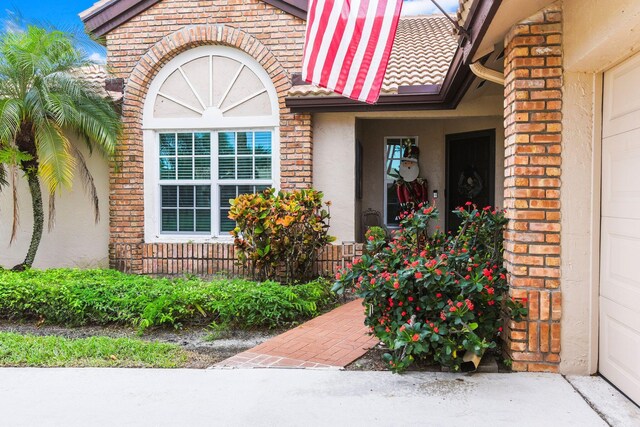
(421, 55)
(96, 76)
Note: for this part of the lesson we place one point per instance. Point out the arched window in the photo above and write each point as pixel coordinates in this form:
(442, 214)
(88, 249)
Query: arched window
(210, 128)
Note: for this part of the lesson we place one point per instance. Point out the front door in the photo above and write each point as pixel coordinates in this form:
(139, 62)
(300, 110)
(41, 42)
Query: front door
(470, 172)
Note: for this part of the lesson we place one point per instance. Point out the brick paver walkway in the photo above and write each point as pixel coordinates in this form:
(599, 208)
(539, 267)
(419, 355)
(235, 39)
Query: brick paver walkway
(332, 340)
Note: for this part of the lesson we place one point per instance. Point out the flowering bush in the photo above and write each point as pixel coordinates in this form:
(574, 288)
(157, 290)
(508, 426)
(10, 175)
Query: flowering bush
(279, 233)
(434, 295)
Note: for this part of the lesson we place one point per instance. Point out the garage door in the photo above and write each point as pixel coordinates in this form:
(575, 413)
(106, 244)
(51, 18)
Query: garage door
(620, 228)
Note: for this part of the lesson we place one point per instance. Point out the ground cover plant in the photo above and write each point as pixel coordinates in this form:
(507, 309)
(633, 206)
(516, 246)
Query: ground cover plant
(51, 351)
(278, 233)
(435, 295)
(100, 297)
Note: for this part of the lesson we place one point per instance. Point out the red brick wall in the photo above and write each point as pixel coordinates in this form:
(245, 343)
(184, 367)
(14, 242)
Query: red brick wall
(139, 48)
(533, 103)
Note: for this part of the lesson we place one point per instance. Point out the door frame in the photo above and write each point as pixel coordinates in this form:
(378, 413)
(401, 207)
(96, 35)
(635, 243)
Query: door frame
(453, 137)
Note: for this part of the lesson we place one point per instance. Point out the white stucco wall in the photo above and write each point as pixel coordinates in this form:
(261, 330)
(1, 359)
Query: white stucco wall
(334, 158)
(75, 241)
(595, 38)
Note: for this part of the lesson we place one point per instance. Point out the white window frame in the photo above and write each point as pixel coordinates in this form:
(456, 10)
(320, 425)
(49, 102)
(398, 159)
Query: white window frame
(211, 121)
(384, 176)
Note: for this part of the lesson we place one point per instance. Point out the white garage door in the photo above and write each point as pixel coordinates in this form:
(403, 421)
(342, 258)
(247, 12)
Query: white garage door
(620, 239)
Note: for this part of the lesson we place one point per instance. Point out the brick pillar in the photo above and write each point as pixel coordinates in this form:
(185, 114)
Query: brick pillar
(296, 151)
(533, 103)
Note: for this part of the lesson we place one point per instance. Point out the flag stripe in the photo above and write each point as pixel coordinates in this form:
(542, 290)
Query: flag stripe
(348, 44)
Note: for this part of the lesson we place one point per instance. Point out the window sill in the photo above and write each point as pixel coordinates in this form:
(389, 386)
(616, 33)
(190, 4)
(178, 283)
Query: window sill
(189, 239)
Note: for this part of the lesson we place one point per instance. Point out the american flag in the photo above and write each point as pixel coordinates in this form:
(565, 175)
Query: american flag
(348, 44)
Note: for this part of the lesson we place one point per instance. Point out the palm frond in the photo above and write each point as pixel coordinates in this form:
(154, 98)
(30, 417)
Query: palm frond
(51, 222)
(88, 182)
(16, 209)
(54, 153)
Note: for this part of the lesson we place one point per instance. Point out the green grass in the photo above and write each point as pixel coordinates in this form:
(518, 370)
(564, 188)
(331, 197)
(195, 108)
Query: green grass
(74, 297)
(52, 351)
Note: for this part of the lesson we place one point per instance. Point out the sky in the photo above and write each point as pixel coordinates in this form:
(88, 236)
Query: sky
(64, 14)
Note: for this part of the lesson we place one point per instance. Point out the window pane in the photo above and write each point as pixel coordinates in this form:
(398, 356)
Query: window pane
(203, 220)
(245, 143)
(393, 205)
(261, 188)
(202, 167)
(167, 144)
(185, 168)
(245, 189)
(169, 220)
(167, 168)
(185, 144)
(263, 143)
(185, 196)
(169, 196)
(227, 192)
(203, 196)
(185, 220)
(227, 168)
(263, 168)
(202, 143)
(226, 143)
(245, 167)
(226, 224)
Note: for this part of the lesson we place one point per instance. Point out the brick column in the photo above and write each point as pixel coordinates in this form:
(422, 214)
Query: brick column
(533, 103)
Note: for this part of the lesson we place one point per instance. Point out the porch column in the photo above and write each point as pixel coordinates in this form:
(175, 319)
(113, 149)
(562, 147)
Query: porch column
(533, 103)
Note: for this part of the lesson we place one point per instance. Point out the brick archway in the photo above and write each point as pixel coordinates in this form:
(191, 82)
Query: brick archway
(200, 35)
(127, 214)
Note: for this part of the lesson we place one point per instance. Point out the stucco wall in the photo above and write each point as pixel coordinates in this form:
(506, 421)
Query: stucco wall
(431, 135)
(595, 38)
(75, 241)
(334, 169)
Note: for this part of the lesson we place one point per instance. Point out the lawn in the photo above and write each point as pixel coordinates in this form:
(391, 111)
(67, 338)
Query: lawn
(52, 351)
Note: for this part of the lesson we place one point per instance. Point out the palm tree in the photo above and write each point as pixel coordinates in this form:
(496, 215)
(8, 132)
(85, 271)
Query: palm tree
(43, 98)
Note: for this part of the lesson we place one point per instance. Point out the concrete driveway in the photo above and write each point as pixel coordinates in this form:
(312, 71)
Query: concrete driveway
(286, 397)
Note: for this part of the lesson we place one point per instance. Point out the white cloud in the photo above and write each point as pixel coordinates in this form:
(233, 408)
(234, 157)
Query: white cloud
(426, 7)
(98, 58)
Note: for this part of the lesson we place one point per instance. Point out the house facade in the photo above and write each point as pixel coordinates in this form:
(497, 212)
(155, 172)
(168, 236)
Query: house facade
(213, 107)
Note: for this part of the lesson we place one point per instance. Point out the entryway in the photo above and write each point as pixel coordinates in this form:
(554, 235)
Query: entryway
(619, 359)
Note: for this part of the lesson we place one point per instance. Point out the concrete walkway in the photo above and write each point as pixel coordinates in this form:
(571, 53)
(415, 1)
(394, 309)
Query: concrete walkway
(286, 397)
(330, 341)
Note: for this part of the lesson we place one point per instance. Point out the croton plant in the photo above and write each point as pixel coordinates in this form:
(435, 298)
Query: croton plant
(435, 295)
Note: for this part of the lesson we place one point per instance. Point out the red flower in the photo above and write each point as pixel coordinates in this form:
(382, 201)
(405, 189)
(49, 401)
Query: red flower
(438, 295)
(415, 337)
(402, 328)
(371, 238)
(452, 309)
(410, 299)
(418, 275)
(396, 285)
(438, 272)
(338, 276)
(404, 313)
(436, 330)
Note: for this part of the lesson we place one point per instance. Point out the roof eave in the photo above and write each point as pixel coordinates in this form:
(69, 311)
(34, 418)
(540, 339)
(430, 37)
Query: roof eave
(114, 14)
(456, 82)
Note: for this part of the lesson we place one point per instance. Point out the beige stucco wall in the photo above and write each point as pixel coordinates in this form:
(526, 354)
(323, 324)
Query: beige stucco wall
(75, 241)
(597, 35)
(431, 135)
(334, 169)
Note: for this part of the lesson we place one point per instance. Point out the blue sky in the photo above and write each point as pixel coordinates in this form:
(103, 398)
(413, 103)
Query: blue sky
(64, 13)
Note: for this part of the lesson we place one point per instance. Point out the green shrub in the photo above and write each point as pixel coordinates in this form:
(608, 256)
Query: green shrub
(280, 233)
(434, 295)
(99, 297)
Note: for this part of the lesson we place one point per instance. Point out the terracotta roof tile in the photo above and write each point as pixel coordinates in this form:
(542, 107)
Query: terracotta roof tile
(421, 55)
(96, 76)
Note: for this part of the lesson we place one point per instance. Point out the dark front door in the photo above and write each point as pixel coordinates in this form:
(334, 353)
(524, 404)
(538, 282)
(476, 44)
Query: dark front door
(470, 172)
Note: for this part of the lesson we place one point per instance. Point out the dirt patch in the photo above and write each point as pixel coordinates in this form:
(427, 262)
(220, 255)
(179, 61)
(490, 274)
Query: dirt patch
(372, 361)
(204, 346)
